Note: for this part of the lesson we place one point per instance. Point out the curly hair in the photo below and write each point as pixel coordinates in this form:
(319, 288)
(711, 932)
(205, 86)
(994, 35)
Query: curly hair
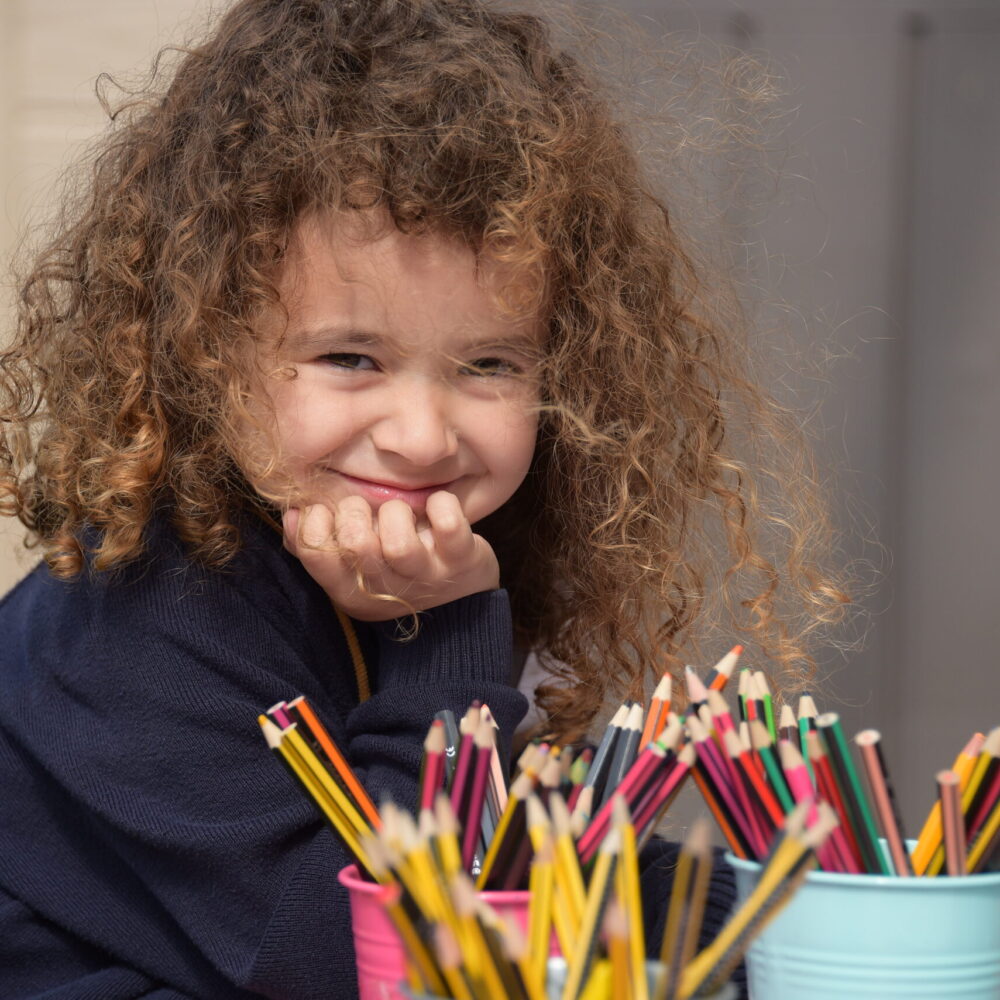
(644, 513)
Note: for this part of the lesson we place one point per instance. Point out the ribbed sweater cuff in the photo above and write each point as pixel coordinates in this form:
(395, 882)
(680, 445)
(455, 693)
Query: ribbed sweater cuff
(465, 639)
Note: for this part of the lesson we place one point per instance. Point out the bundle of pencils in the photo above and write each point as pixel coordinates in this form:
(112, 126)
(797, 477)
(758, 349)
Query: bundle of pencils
(753, 773)
(643, 756)
(459, 947)
(295, 734)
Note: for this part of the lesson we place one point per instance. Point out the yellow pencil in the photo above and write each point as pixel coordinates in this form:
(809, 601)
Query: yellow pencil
(686, 909)
(597, 896)
(315, 789)
(616, 933)
(446, 837)
(599, 982)
(478, 957)
(987, 755)
(567, 860)
(930, 833)
(512, 818)
(294, 737)
(984, 840)
(450, 959)
(631, 894)
(789, 863)
(541, 881)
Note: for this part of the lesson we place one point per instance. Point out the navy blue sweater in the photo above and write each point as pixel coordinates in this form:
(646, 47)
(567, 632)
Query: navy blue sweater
(149, 845)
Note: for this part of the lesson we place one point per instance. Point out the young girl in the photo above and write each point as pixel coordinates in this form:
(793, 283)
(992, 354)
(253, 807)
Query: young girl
(369, 314)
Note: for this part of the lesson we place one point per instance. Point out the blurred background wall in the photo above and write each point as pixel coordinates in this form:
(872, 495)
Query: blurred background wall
(883, 244)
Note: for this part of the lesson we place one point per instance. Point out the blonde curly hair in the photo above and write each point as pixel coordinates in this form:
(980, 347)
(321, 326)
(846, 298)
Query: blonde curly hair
(130, 373)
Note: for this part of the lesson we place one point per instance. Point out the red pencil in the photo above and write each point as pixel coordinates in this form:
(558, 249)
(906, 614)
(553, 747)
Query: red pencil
(483, 741)
(432, 778)
(826, 784)
(463, 758)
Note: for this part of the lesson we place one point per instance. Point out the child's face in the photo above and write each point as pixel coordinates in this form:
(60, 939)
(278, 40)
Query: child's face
(408, 380)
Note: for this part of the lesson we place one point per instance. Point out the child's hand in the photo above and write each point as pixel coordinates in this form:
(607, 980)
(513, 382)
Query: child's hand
(424, 567)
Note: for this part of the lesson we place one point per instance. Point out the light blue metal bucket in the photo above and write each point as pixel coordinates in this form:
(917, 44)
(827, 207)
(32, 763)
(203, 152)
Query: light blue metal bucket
(872, 937)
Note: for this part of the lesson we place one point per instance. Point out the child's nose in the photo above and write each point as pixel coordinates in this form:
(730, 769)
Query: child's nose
(417, 423)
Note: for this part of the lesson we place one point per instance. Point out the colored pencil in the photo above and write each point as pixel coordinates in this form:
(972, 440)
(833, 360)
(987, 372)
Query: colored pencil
(951, 821)
(719, 675)
(931, 832)
(598, 893)
(626, 747)
(696, 691)
(827, 787)
(598, 772)
(869, 742)
(852, 793)
(659, 706)
(764, 695)
(483, 744)
(806, 715)
(787, 726)
(628, 890)
(432, 772)
(685, 910)
(302, 710)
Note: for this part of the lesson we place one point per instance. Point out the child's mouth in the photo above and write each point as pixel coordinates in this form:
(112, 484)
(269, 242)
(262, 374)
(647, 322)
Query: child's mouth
(377, 493)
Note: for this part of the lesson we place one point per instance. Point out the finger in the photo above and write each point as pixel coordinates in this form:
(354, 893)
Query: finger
(402, 549)
(290, 528)
(356, 536)
(314, 528)
(309, 537)
(450, 528)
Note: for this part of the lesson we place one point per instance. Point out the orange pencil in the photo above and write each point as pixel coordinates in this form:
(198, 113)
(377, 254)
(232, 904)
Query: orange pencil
(723, 670)
(931, 833)
(659, 708)
(337, 759)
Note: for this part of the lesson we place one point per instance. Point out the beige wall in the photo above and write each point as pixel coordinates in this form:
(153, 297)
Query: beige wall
(51, 52)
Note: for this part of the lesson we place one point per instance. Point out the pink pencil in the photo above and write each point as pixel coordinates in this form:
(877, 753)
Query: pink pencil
(835, 855)
(638, 774)
(648, 810)
(463, 761)
(718, 771)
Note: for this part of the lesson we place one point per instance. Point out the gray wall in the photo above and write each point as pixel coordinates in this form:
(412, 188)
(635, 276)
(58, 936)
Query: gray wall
(884, 246)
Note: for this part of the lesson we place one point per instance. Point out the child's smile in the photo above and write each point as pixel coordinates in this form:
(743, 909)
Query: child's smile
(408, 379)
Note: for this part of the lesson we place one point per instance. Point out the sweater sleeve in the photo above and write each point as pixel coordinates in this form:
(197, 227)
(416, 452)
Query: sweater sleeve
(147, 820)
(460, 652)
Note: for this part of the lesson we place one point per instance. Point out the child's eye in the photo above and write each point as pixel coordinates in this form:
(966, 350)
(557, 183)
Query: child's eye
(489, 367)
(352, 362)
